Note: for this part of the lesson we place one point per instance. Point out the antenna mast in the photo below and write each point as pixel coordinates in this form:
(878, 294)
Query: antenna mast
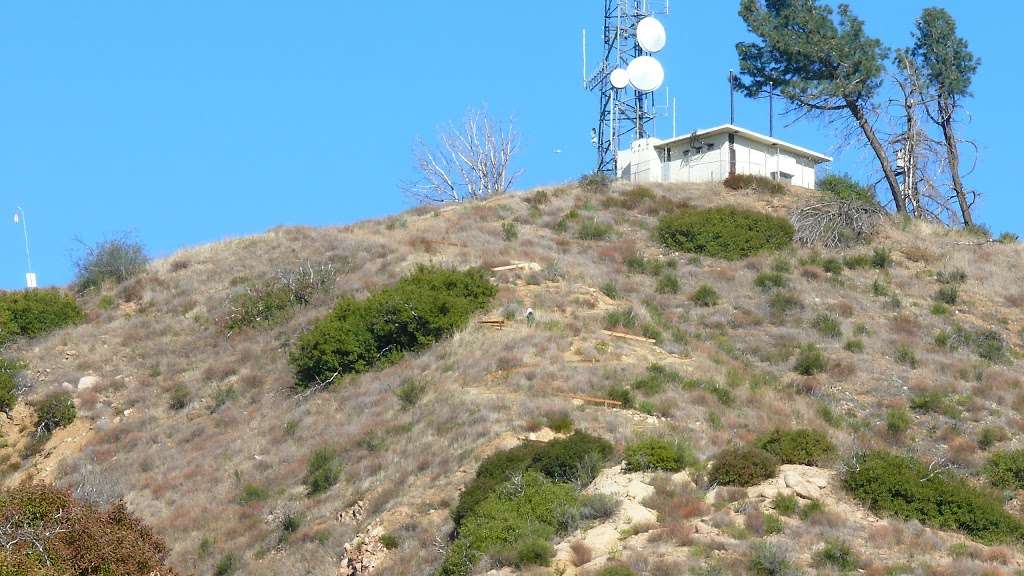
(627, 103)
(30, 277)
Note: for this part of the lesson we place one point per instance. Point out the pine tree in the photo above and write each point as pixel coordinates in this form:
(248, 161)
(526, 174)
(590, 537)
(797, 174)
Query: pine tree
(948, 68)
(818, 62)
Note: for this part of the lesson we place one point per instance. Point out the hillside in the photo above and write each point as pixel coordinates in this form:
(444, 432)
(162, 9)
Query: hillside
(202, 432)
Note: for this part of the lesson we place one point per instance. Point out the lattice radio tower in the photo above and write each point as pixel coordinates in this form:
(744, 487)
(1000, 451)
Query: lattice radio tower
(628, 75)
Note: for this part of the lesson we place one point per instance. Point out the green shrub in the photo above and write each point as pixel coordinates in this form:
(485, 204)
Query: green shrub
(785, 504)
(990, 436)
(621, 318)
(409, 392)
(323, 470)
(53, 411)
(593, 230)
(801, 446)
(576, 459)
(857, 262)
(9, 370)
(610, 290)
(263, 304)
(742, 466)
(953, 277)
(532, 551)
(253, 493)
(768, 281)
(596, 183)
(810, 361)
(420, 309)
(908, 489)
(652, 454)
(854, 346)
(180, 397)
(837, 555)
(622, 395)
(657, 379)
(728, 233)
(598, 506)
(897, 421)
(509, 231)
(389, 541)
(985, 343)
(116, 260)
(30, 313)
(559, 421)
(832, 266)
(754, 183)
(228, 565)
(705, 296)
(616, 570)
(935, 402)
(781, 303)
(531, 507)
(905, 355)
(667, 284)
(881, 258)
(844, 187)
(1005, 469)
(827, 325)
(948, 295)
(770, 559)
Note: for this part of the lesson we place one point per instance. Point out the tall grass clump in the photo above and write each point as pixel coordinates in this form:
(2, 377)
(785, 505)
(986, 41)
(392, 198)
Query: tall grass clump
(9, 370)
(728, 233)
(425, 306)
(754, 183)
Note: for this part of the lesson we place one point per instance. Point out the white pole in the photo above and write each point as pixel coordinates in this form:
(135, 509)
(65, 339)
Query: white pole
(28, 254)
(673, 117)
(584, 57)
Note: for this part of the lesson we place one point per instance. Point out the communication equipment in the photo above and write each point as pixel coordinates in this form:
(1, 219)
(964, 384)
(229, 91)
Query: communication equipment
(646, 74)
(619, 78)
(651, 35)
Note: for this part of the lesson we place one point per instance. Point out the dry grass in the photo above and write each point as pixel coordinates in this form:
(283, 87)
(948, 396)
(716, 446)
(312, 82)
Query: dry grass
(182, 470)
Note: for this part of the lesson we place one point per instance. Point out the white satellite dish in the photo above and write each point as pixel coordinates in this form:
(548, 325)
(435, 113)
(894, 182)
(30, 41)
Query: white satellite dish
(646, 74)
(619, 78)
(650, 34)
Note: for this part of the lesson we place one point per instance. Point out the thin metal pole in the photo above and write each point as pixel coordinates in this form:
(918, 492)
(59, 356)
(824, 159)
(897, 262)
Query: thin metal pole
(771, 109)
(673, 117)
(24, 226)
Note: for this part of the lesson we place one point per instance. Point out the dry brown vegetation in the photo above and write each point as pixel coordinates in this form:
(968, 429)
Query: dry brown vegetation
(203, 435)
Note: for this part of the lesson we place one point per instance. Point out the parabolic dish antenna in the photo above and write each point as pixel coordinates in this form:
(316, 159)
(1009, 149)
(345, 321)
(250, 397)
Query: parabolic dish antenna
(650, 34)
(646, 74)
(619, 78)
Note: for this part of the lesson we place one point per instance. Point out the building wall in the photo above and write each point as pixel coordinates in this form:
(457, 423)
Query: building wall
(708, 161)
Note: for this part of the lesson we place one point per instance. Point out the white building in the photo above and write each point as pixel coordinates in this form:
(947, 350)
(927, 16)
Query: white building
(711, 155)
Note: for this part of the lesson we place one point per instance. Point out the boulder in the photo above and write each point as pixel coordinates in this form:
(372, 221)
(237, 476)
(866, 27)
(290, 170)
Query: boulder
(87, 382)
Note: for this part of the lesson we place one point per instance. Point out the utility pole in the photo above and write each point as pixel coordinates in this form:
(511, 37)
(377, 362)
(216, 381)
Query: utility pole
(771, 109)
(30, 277)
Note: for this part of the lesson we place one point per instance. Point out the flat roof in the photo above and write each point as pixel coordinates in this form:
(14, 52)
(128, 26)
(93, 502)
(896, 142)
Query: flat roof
(750, 134)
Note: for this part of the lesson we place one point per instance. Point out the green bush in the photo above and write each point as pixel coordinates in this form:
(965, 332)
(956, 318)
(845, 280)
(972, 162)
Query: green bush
(229, 564)
(1005, 469)
(755, 183)
(705, 296)
(593, 230)
(770, 559)
(115, 260)
(728, 233)
(948, 295)
(845, 188)
(837, 555)
(622, 395)
(810, 361)
(657, 379)
(596, 183)
(801, 446)
(769, 281)
(667, 284)
(530, 507)
(742, 466)
(532, 551)
(908, 489)
(898, 421)
(616, 570)
(881, 258)
(323, 470)
(652, 454)
(509, 231)
(31, 313)
(9, 370)
(785, 504)
(53, 411)
(420, 309)
(985, 343)
(827, 325)
(906, 356)
(576, 459)
(559, 421)
(854, 346)
(265, 304)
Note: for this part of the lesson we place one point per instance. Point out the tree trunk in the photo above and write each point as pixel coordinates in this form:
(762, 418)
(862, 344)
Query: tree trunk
(883, 158)
(953, 155)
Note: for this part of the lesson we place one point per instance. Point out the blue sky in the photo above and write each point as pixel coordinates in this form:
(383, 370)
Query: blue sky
(191, 121)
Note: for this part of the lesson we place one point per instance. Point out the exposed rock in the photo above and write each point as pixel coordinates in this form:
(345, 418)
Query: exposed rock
(806, 481)
(683, 478)
(364, 553)
(87, 382)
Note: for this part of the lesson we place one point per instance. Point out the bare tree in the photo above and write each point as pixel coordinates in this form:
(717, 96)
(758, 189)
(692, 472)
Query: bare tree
(470, 161)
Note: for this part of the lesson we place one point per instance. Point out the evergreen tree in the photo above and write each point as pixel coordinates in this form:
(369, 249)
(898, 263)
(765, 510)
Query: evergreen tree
(818, 62)
(948, 68)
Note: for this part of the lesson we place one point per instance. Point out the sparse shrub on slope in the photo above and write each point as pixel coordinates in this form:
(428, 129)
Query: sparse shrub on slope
(114, 260)
(53, 411)
(8, 383)
(844, 187)
(755, 183)
(361, 335)
(51, 533)
(268, 302)
(908, 489)
(742, 466)
(835, 223)
(31, 313)
(728, 233)
(801, 446)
